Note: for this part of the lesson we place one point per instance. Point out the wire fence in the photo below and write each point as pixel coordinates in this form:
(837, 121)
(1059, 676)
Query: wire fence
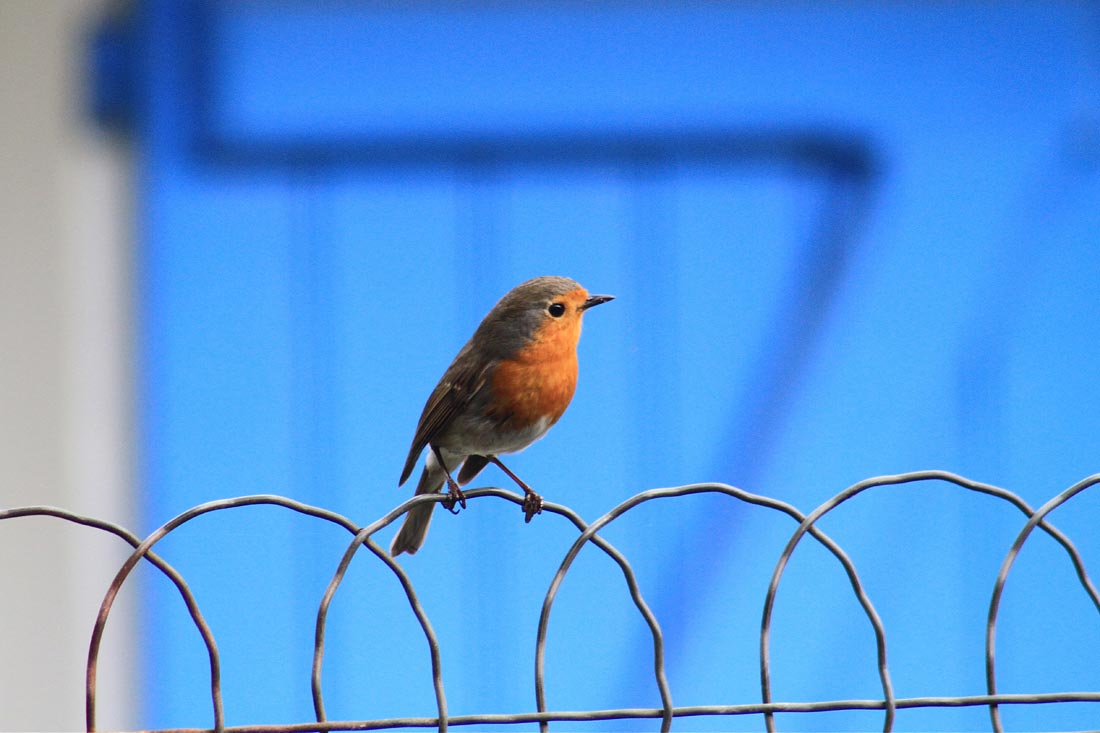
(667, 712)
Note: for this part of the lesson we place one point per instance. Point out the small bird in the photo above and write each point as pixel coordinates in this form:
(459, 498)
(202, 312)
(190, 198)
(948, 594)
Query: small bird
(508, 385)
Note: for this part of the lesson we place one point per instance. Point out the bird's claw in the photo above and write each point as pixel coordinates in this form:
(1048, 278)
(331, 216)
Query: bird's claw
(532, 505)
(455, 495)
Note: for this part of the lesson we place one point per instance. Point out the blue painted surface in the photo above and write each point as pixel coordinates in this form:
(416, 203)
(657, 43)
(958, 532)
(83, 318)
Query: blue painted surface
(845, 241)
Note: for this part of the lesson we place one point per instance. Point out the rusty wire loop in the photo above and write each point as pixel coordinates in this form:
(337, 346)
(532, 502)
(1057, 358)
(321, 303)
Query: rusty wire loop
(133, 541)
(362, 536)
(142, 550)
(637, 499)
(1036, 518)
(433, 644)
(588, 534)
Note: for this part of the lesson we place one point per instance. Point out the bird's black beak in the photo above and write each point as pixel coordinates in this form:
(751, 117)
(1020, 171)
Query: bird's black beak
(594, 300)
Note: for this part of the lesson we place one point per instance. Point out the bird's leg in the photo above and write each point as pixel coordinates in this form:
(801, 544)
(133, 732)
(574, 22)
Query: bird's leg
(454, 493)
(532, 502)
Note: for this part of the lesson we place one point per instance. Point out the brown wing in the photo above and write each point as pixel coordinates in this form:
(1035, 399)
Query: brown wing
(462, 380)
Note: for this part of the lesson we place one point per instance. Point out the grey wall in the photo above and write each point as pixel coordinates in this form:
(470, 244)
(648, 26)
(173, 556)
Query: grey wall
(64, 372)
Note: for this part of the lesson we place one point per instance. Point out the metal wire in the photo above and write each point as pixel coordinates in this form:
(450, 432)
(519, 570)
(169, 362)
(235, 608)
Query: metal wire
(965, 483)
(168, 570)
(363, 537)
(588, 533)
(142, 550)
(588, 716)
(1036, 518)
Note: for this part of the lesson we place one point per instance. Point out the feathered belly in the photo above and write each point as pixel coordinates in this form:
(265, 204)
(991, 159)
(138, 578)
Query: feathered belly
(526, 398)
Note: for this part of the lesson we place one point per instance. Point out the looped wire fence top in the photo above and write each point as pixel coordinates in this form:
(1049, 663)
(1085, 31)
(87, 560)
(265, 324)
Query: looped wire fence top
(666, 712)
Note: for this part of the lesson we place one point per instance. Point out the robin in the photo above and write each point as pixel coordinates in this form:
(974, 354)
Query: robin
(508, 385)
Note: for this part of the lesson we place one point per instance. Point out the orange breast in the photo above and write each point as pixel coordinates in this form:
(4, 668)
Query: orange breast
(539, 383)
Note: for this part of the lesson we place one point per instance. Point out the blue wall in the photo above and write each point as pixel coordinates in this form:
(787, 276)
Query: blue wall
(845, 241)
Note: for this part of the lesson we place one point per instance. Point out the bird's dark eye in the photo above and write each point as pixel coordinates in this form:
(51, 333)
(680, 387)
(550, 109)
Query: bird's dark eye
(557, 310)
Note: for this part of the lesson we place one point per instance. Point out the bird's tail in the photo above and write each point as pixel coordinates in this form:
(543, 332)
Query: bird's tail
(412, 533)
